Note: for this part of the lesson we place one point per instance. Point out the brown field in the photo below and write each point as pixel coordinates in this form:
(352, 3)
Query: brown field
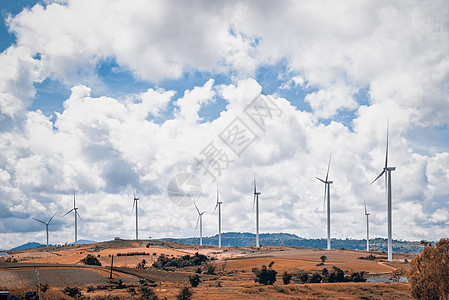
(60, 267)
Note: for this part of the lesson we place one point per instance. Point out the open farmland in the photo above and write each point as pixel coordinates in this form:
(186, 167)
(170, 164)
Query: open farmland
(227, 273)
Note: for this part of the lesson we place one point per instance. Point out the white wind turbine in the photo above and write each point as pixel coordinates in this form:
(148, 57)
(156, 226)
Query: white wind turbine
(367, 226)
(200, 220)
(256, 202)
(327, 193)
(219, 203)
(387, 171)
(75, 210)
(46, 224)
(137, 214)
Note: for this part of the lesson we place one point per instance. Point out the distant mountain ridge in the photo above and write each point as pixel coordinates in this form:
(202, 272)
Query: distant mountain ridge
(246, 239)
(34, 245)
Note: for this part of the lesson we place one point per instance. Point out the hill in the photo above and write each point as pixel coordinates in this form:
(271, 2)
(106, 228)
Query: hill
(247, 239)
(29, 245)
(34, 245)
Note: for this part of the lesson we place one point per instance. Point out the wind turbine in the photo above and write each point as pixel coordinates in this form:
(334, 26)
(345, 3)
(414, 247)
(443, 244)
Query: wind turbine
(46, 224)
(200, 219)
(327, 193)
(219, 217)
(387, 171)
(137, 216)
(367, 226)
(74, 209)
(256, 202)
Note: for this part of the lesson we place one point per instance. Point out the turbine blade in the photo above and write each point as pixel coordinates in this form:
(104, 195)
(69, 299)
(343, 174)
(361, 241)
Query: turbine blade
(216, 205)
(381, 173)
(134, 203)
(320, 180)
(197, 221)
(254, 203)
(68, 212)
(364, 202)
(255, 189)
(328, 166)
(386, 151)
(74, 199)
(51, 219)
(78, 215)
(196, 208)
(324, 199)
(39, 221)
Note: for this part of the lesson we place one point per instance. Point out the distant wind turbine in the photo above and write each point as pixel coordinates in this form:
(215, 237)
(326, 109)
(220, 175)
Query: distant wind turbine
(219, 217)
(200, 220)
(256, 202)
(137, 216)
(387, 171)
(75, 210)
(46, 224)
(327, 193)
(367, 226)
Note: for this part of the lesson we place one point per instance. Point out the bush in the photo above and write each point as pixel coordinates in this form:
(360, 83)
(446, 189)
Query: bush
(265, 275)
(429, 272)
(90, 260)
(148, 293)
(302, 276)
(184, 294)
(323, 258)
(90, 288)
(210, 270)
(286, 277)
(142, 264)
(72, 292)
(358, 277)
(194, 280)
(165, 262)
(44, 287)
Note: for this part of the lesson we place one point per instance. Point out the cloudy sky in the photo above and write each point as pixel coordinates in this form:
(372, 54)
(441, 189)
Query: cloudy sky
(103, 97)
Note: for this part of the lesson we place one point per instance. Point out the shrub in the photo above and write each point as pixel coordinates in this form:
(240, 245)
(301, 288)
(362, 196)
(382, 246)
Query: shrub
(142, 264)
(44, 287)
(323, 258)
(148, 293)
(198, 270)
(165, 262)
(210, 269)
(184, 294)
(315, 278)
(194, 280)
(91, 260)
(265, 275)
(286, 277)
(302, 276)
(72, 292)
(90, 288)
(358, 277)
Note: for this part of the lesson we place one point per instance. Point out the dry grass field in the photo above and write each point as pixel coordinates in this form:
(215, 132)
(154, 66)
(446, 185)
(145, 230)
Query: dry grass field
(232, 278)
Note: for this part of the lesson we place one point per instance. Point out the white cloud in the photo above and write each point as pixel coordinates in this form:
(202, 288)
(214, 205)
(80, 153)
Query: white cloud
(104, 146)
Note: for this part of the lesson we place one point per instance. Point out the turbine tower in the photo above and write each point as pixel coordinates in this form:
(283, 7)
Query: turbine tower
(256, 202)
(75, 210)
(200, 219)
(367, 226)
(46, 224)
(327, 193)
(137, 216)
(219, 217)
(387, 171)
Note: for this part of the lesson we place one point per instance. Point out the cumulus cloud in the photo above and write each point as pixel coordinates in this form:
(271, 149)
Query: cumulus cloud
(103, 147)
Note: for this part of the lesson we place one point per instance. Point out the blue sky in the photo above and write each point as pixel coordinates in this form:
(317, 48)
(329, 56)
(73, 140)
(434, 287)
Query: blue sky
(106, 98)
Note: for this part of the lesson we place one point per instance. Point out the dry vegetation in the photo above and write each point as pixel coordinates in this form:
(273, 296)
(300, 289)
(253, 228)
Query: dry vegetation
(226, 273)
